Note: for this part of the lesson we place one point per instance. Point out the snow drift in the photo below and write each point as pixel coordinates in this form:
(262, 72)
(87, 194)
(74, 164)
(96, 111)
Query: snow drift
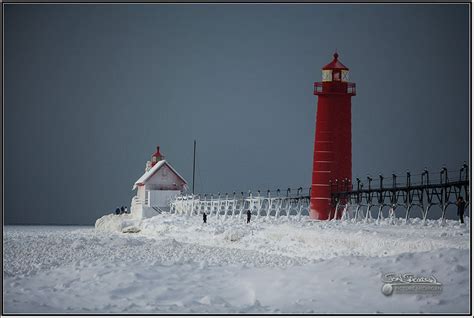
(177, 264)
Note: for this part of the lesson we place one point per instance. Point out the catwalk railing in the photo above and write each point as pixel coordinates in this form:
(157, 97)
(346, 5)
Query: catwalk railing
(357, 202)
(293, 203)
(348, 201)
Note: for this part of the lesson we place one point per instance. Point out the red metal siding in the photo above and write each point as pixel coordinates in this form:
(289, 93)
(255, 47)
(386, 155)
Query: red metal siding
(332, 157)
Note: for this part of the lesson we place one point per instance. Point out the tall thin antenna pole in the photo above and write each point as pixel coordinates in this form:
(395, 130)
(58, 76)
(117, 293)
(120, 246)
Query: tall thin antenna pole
(194, 163)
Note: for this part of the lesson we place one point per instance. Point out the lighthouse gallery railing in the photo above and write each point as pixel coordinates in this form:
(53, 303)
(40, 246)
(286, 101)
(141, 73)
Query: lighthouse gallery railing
(320, 87)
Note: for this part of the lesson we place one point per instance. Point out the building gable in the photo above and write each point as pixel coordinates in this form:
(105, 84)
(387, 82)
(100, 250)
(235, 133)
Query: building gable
(162, 176)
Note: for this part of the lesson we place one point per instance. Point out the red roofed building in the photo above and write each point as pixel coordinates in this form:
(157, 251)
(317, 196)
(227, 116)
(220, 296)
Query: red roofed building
(156, 187)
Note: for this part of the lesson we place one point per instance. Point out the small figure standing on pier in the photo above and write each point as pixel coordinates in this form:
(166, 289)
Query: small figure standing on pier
(249, 215)
(461, 206)
(204, 217)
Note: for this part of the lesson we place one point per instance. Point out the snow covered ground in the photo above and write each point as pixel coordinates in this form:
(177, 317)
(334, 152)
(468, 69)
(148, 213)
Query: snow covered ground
(176, 264)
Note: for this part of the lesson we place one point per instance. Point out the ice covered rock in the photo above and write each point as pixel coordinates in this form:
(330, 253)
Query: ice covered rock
(131, 229)
(116, 223)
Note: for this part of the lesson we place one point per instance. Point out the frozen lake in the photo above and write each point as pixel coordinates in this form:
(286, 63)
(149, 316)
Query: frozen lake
(176, 264)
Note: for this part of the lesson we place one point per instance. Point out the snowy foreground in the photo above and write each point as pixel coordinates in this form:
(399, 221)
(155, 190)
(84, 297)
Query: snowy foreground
(176, 264)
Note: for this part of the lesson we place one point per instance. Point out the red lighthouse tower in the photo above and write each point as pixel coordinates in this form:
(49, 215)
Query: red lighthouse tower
(332, 158)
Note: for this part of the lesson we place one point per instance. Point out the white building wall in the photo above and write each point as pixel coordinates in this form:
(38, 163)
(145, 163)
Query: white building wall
(162, 198)
(141, 193)
(164, 179)
(142, 212)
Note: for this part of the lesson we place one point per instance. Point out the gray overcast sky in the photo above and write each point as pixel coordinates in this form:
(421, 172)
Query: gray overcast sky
(90, 90)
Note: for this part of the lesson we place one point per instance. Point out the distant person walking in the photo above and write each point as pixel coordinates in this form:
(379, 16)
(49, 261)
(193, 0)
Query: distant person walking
(117, 211)
(204, 217)
(122, 210)
(461, 206)
(249, 215)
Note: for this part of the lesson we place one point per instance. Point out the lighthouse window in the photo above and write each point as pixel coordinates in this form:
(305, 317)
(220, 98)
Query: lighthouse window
(337, 76)
(345, 76)
(327, 75)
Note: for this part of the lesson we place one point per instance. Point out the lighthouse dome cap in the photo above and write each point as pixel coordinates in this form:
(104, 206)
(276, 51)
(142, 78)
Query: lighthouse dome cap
(335, 64)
